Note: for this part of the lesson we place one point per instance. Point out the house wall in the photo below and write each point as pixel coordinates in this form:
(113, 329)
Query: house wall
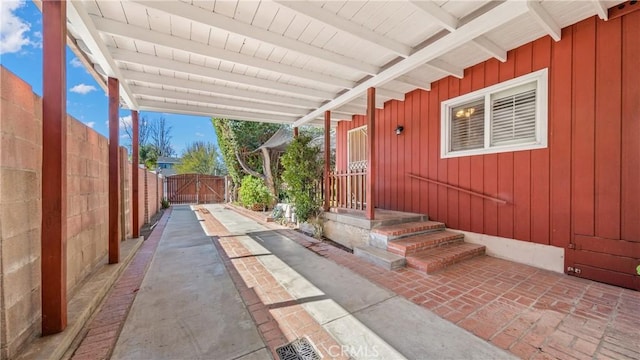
(21, 208)
(585, 182)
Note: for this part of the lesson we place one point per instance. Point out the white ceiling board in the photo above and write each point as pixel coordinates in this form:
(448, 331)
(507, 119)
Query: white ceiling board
(460, 9)
(516, 32)
(112, 10)
(246, 10)
(257, 52)
(207, 5)
(227, 8)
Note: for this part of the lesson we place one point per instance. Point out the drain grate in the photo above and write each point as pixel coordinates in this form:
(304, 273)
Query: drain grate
(299, 349)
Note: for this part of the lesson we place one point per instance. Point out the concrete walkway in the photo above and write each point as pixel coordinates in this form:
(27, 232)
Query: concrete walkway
(366, 320)
(187, 306)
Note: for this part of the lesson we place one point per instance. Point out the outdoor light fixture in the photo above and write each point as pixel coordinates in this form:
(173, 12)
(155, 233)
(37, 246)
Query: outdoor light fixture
(399, 129)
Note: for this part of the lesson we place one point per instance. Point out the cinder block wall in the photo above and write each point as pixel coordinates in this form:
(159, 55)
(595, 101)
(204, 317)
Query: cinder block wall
(21, 208)
(20, 212)
(87, 201)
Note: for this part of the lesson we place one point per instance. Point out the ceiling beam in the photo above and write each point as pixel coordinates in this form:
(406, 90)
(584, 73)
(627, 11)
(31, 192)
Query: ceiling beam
(217, 100)
(446, 68)
(158, 106)
(353, 109)
(391, 94)
(359, 101)
(490, 48)
(342, 24)
(451, 23)
(211, 73)
(161, 106)
(218, 89)
(81, 22)
(485, 22)
(424, 85)
(196, 14)
(601, 9)
(545, 20)
(437, 14)
(128, 31)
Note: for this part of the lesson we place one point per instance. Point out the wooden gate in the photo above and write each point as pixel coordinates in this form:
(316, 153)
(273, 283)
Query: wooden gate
(195, 189)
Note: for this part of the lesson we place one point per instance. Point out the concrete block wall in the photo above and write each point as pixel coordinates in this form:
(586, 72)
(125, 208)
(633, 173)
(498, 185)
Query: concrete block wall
(87, 201)
(21, 208)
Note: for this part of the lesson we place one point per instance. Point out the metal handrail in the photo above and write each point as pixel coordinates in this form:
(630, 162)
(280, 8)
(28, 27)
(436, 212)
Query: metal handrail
(499, 201)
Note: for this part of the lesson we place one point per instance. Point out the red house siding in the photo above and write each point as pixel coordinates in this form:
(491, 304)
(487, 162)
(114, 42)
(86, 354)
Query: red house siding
(587, 182)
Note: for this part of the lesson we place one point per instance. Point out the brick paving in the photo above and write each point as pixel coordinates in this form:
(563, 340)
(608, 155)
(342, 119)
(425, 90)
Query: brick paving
(279, 317)
(533, 313)
(105, 327)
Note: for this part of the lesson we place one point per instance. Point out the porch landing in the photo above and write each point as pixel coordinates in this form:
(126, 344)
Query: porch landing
(351, 228)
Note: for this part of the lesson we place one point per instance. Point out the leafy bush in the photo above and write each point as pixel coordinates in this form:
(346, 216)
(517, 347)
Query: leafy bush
(165, 203)
(254, 193)
(302, 170)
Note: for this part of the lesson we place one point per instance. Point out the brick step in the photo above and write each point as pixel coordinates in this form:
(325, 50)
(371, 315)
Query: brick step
(432, 260)
(382, 235)
(410, 245)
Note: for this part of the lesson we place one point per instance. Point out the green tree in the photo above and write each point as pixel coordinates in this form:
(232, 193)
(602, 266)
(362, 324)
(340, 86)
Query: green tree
(302, 171)
(200, 158)
(149, 156)
(238, 141)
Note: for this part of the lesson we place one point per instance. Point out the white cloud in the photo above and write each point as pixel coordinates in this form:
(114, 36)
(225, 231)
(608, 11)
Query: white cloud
(90, 124)
(125, 121)
(13, 30)
(83, 89)
(38, 42)
(198, 134)
(75, 62)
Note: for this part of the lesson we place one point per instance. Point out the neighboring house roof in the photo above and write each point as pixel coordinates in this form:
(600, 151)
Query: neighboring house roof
(168, 160)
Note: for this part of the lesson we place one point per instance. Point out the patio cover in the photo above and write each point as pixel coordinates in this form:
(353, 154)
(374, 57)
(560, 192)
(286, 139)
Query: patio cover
(289, 61)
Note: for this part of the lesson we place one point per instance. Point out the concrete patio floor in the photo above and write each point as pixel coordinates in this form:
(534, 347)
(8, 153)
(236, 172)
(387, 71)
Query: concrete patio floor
(240, 289)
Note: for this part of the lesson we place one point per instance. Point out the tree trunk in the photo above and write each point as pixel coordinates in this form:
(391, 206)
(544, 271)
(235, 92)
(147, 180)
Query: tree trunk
(267, 177)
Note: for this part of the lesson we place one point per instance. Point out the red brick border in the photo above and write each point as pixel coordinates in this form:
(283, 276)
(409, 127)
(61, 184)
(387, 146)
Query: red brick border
(105, 327)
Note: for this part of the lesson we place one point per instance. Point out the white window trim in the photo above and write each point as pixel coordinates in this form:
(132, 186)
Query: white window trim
(542, 114)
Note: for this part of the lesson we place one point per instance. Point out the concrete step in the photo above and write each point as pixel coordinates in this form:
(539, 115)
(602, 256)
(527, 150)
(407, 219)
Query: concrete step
(379, 257)
(412, 244)
(382, 235)
(434, 259)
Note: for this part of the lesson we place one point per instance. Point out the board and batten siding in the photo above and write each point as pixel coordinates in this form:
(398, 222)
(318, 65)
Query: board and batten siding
(586, 182)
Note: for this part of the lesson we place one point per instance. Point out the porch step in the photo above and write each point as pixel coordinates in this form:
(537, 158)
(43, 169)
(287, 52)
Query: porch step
(434, 259)
(379, 257)
(412, 244)
(381, 236)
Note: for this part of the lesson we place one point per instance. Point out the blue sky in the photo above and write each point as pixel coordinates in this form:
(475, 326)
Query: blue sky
(21, 53)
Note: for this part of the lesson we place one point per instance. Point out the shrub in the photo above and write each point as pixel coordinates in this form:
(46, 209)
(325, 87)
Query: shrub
(254, 193)
(302, 170)
(165, 203)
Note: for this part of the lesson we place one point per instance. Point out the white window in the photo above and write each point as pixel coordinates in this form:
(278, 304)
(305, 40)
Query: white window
(509, 116)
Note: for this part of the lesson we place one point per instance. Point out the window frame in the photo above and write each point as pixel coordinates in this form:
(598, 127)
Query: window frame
(541, 77)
